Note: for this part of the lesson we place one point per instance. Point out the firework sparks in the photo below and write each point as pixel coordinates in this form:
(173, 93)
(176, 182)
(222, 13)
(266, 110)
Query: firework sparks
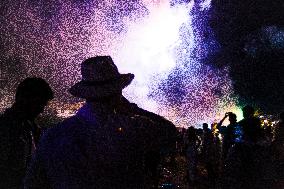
(156, 41)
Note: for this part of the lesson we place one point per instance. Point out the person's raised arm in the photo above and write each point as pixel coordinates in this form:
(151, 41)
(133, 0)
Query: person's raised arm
(222, 120)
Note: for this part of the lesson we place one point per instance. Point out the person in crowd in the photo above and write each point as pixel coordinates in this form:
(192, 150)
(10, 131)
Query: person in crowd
(216, 151)
(251, 126)
(18, 132)
(192, 144)
(248, 160)
(99, 147)
(182, 141)
(229, 133)
(207, 141)
(208, 153)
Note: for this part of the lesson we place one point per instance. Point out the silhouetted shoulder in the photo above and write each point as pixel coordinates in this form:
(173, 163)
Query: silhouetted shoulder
(141, 120)
(151, 115)
(66, 127)
(9, 124)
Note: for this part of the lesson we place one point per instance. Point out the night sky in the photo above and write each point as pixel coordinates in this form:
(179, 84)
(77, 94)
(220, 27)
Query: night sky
(252, 37)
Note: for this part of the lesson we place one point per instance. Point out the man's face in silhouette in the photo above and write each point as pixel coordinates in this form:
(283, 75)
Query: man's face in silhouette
(32, 96)
(35, 106)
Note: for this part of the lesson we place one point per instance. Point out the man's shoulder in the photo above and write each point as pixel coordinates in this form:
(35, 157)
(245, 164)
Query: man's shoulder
(63, 128)
(153, 116)
(148, 122)
(249, 121)
(242, 121)
(232, 126)
(133, 121)
(7, 122)
(157, 119)
(140, 119)
(59, 136)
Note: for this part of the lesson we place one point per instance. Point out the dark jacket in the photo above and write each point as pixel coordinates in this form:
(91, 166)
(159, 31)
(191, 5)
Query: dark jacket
(168, 133)
(85, 151)
(15, 148)
(252, 131)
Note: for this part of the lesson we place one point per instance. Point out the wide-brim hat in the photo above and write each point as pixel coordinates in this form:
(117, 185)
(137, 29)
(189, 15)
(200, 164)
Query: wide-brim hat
(100, 78)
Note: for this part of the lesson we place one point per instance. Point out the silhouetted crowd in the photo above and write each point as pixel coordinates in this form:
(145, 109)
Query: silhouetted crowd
(241, 155)
(111, 143)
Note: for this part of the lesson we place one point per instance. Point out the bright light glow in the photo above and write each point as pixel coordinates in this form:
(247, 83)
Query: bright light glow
(206, 4)
(265, 121)
(148, 47)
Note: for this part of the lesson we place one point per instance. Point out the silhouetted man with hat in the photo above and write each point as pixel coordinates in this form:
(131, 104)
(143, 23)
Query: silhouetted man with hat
(98, 147)
(18, 132)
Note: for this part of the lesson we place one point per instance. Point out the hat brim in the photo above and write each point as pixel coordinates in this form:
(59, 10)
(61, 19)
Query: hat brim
(87, 91)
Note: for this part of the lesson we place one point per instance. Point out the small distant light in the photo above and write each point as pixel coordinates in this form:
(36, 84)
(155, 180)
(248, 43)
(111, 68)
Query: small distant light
(265, 121)
(120, 129)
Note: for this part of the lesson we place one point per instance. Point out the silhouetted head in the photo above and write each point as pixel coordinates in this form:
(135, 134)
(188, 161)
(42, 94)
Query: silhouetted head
(32, 96)
(191, 131)
(101, 80)
(232, 117)
(248, 111)
(205, 126)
